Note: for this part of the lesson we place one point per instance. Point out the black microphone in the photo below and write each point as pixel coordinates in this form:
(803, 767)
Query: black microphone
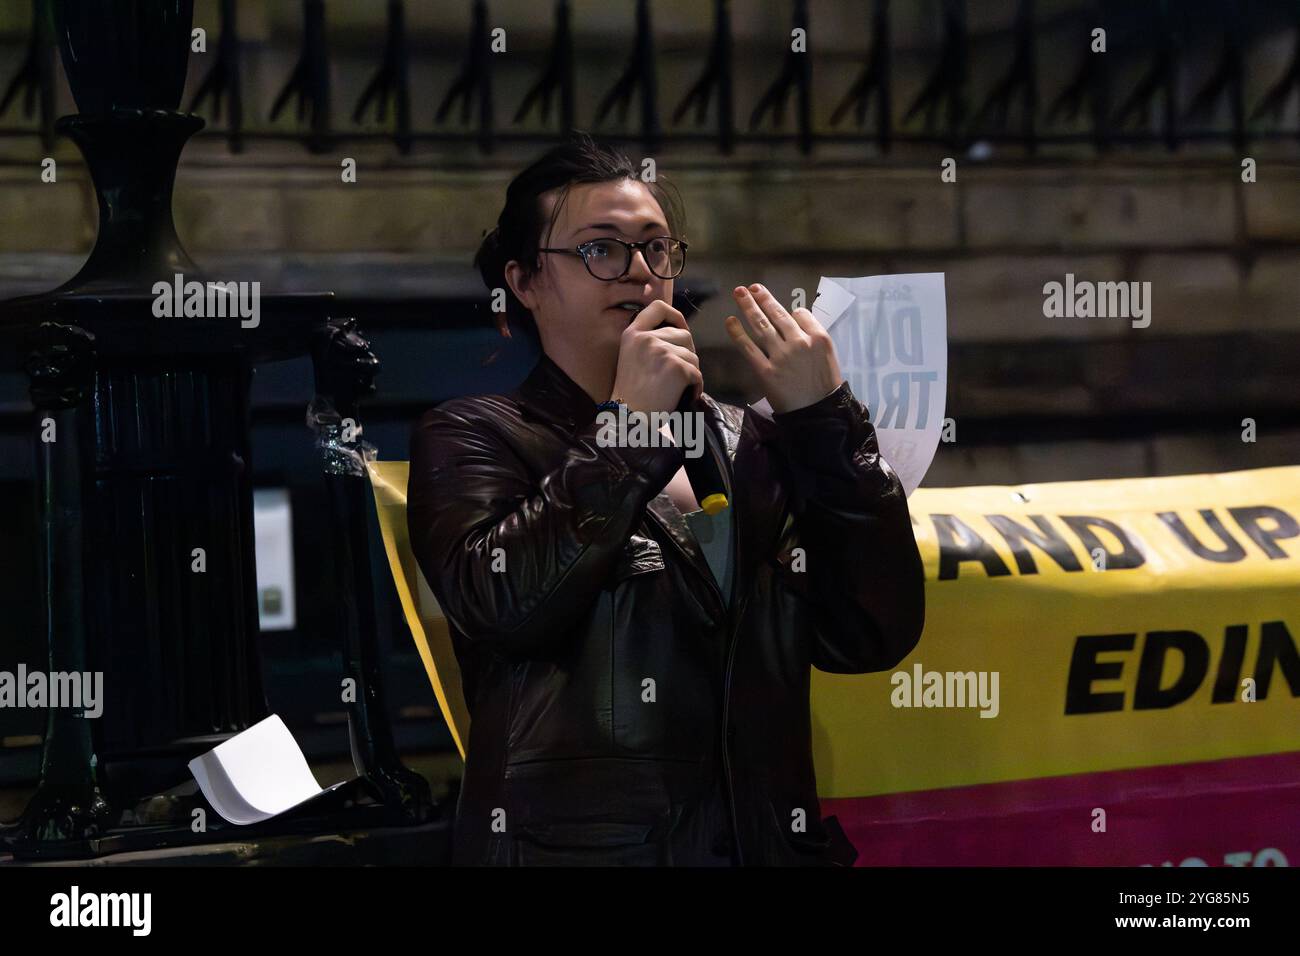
(706, 481)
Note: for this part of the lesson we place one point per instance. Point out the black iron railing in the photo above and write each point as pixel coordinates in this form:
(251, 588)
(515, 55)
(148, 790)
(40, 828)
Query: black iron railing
(1104, 102)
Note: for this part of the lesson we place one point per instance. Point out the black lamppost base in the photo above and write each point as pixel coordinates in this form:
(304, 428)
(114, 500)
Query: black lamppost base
(146, 517)
(168, 821)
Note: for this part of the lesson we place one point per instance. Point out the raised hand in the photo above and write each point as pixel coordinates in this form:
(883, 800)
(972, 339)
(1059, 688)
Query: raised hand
(790, 353)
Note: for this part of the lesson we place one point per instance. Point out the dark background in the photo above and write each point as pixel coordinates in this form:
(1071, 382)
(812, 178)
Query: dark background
(1151, 193)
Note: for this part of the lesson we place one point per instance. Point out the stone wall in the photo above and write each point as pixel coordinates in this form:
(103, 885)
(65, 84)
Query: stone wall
(1034, 398)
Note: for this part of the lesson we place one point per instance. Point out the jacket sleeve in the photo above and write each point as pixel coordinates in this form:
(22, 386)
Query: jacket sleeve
(515, 561)
(862, 569)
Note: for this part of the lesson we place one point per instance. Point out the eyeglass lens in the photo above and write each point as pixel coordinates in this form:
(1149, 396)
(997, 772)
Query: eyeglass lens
(608, 259)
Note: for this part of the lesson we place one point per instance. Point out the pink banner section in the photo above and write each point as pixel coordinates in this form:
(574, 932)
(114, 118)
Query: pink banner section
(1239, 812)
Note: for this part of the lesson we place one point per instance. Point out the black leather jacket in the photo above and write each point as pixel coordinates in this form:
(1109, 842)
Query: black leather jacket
(620, 711)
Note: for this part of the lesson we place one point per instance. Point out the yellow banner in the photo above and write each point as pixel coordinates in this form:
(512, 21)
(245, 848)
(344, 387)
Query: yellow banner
(423, 616)
(1125, 621)
(1097, 625)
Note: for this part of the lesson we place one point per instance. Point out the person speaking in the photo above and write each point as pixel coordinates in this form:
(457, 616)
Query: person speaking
(636, 666)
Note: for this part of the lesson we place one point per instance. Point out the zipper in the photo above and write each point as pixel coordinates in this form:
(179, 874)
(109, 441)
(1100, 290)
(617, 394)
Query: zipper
(732, 644)
(739, 613)
(712, 584)
(726, 708)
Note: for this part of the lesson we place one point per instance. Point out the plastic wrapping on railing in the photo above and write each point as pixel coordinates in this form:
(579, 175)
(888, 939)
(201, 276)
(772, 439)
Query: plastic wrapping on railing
(339, 455)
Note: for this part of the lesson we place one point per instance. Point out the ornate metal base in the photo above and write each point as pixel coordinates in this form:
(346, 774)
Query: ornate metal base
(58, 815)
(145, 486)
(67, 827)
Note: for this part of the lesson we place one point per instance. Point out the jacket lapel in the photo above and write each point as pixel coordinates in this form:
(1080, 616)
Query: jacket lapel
(670, 519)
(757, 501)
(550, 395)
(760, 499)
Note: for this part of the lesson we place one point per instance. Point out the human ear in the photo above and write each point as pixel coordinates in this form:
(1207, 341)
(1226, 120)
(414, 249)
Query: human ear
(520, 284)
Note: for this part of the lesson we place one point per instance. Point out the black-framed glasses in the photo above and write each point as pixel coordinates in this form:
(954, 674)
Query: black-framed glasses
(609, 259)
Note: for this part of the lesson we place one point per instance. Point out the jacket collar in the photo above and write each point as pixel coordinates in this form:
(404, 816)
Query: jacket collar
(550, 394)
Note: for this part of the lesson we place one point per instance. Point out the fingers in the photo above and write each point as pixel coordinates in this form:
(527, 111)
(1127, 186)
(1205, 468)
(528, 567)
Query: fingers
(644, 320)
(757, 322)
(808, 322)
(695, 376)
(684, 358)
(752, 353)
(780, 318)
(766, 316)
(675, 336)
(685, 354)
(655, 314)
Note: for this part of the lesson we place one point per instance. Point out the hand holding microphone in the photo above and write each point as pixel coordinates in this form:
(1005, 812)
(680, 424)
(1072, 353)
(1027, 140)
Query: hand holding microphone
(658, 371)
(657, 361)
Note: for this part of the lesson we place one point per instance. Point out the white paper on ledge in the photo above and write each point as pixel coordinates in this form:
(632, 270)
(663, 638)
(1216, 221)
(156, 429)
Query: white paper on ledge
(891, 338)
(257, 774)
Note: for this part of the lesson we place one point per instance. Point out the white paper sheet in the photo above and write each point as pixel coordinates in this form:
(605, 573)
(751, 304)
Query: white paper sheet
(256, 775)
(891, 338)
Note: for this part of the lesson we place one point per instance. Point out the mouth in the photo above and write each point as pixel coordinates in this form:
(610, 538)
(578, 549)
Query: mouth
(628, 309)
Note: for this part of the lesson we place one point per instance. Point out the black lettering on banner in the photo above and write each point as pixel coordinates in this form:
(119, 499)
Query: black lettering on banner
(1265, 525)
(1085, 668)
(960, 542)
(1130, 555)
(1148, 694)
(1277, 650)
(1232, 549)
(1285, 526)
(1228, 681)
(1276, 647)
(1047, 539)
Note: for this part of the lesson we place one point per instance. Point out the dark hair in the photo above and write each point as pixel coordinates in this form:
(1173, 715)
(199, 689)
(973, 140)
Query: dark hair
(518, 232)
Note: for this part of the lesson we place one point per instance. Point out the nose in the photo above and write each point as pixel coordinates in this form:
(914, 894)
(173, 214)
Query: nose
(639, 268)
